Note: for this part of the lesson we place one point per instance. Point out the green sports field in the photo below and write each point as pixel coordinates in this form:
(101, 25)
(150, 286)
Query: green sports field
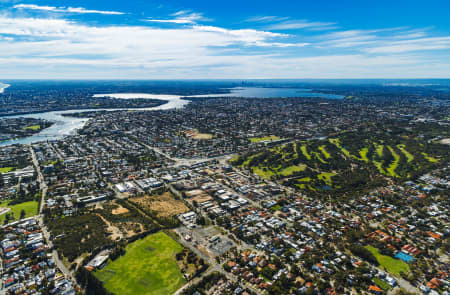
(148, 267)
(392, 265)
(31, 209)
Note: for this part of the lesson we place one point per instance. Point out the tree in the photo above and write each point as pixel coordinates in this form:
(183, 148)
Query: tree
(22, 214)
(364, 253)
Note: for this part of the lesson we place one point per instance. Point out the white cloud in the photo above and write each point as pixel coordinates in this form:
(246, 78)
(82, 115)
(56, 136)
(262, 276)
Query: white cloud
(384, 41)
(182, 17)
(285, 23)
(172, 21)
(79, 10)
(419, 44)
(38, 37)
(60, 48)
(302, 24)
(266, 19)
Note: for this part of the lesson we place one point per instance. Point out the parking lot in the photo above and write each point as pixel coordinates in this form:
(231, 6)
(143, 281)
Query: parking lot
(207, 239)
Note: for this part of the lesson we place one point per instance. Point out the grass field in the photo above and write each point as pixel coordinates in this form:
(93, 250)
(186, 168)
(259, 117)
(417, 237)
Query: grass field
(383, 285)
(392, 265)
(264, 138)
(31, 209)
(324, 152)
(337, 143)
(408, 155)
(305, 152)
(289, 170)
(429, 158)
(349, 155)
(149, 267)
(394, 164)
(326, 176)
(6, 169)
(264, 174)
(275, 208)
(33, 127)
(379, 149)
(363, 154)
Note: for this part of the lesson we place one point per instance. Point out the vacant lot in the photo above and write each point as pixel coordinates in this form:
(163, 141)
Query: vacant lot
(80, 234)
(392, 265)
(123, 220)
(149, 267)
(30, 208)
(120, 210)
(164, 205)
(196, 135)
(202, 136)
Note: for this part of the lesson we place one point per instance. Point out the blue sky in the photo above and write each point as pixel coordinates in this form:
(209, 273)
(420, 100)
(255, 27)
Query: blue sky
(142, 39)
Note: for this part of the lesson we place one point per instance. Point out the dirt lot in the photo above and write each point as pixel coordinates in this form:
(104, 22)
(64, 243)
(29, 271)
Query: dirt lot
(445, 141)
(121, 222)
(120, 210)
(202, 199)
(195, 193)
(196, 135)
(203, 136)
(164, 205)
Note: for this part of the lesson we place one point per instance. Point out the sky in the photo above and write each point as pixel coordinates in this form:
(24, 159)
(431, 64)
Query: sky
(245, 39)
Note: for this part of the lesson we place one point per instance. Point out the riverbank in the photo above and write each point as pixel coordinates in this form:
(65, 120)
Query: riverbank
(148, 104)
(17, 128)
(67, 125)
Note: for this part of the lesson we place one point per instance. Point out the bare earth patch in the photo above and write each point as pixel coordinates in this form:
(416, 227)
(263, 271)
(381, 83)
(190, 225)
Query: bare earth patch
(203, 136)
(116, 234)
(445, 141)
(164, 205)
(202, 199)
(199, 136)
(120, 210)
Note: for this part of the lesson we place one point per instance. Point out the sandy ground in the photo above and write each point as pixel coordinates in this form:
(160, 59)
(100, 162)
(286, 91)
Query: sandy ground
(115, 231)
(203, 136)
(120, 210)
(445, 141)
(195, 135)
(202, 199)
(164, 205)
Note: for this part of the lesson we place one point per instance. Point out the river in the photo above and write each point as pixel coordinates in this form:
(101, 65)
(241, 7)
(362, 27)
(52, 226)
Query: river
(68, 125)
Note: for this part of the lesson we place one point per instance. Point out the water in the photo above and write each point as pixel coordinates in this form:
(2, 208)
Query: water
(266, 92)
(68, 125)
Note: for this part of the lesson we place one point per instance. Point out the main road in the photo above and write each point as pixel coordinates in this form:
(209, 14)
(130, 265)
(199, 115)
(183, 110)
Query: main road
(181, 161)
(44, 187)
